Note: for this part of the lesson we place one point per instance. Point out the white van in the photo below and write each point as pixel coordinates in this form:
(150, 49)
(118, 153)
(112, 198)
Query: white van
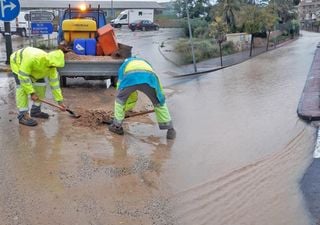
(131, 15)
(19, 25)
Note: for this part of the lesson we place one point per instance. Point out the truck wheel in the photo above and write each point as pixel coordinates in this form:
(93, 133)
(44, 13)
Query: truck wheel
(114, 81)
(23, 33)
(63, 81)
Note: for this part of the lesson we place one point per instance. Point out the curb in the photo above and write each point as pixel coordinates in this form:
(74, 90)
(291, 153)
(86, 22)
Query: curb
(164, 56)
(308, 107)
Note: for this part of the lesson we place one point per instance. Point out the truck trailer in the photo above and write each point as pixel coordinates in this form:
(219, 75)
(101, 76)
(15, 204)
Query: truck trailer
(131, 15)
(77, 22)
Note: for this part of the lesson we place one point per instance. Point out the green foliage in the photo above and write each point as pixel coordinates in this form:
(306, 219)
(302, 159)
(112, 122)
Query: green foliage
(285, 9)
(281, 38)
(294, 27)
(43, 44)
(168, 21)
(252, 19)
(203, 49)
(228, 48)
(218, 29)
(227, 9)
(199, 27)
(269, 18)
(201, 32)
(197, 8)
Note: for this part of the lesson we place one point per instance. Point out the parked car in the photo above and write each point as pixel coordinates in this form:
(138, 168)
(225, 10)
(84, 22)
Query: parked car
(143, 25)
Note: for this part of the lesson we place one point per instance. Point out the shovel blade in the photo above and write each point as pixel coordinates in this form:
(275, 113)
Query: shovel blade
(73, 114)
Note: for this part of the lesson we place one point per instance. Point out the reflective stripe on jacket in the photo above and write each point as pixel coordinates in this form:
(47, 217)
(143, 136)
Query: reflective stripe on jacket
(32, 64)
(138, 71)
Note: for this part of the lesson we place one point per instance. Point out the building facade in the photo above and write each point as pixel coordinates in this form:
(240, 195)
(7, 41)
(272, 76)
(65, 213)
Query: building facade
(309, 10)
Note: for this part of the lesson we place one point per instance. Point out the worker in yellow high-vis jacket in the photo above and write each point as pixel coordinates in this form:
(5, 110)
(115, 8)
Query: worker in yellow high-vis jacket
(136, 74)
(31, 68)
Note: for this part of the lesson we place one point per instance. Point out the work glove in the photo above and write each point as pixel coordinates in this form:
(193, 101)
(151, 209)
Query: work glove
(34, 97)
(63, 107)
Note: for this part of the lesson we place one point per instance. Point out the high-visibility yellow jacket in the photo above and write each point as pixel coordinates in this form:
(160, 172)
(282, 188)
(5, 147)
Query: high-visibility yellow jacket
(32, 64)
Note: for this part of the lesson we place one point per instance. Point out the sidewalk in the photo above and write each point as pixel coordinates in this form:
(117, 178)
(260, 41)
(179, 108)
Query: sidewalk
(213, 64)
(209, 65)
(308, 108)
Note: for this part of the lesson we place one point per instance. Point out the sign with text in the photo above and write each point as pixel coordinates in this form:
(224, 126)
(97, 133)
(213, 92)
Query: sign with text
(9, 10)
(41, 28)
(41, 16)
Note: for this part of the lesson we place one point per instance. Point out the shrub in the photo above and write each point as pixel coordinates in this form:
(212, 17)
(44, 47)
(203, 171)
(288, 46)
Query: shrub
(203, 49)
(228, 48)
(196, 23)
(169, 22)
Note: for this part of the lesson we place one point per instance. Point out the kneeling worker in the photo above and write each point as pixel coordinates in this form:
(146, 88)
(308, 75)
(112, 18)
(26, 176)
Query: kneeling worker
(30, 67)
(136, 74)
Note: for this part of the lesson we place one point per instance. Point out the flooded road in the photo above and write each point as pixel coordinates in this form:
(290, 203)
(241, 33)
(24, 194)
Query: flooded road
(239, 154)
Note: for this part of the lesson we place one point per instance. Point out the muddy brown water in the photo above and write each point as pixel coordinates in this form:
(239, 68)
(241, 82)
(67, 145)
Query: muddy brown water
(239, 154)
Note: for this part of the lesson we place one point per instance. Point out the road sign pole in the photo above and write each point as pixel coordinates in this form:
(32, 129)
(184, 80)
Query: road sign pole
(7, 34)
(9, 10)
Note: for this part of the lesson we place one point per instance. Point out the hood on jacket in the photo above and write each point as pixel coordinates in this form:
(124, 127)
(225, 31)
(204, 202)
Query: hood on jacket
(56, 58)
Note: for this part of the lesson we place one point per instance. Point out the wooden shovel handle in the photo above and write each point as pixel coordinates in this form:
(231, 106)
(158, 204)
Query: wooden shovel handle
(139, 113)
(50, 103)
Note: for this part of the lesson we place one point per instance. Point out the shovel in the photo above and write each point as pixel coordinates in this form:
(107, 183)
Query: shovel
(73, 114)
(108, 122)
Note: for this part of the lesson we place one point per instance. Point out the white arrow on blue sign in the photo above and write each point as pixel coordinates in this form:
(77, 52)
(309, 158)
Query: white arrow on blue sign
(9, 9)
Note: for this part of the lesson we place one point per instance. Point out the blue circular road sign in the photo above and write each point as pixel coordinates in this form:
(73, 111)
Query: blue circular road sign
(9, 9)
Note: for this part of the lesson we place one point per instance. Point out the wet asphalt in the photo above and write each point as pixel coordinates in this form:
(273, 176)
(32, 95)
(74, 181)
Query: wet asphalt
(242, 156)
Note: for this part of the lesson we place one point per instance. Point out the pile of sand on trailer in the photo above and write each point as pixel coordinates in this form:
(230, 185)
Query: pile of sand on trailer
(75, 57)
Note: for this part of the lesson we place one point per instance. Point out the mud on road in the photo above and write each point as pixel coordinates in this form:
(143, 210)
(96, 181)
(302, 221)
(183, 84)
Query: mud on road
(69, 170)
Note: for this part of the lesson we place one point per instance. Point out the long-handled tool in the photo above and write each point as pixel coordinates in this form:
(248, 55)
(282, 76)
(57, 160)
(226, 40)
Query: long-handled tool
(130, 115)
(73, 114)
(139, 113)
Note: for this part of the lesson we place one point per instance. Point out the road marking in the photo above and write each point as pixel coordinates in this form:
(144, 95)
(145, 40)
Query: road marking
(316, 153)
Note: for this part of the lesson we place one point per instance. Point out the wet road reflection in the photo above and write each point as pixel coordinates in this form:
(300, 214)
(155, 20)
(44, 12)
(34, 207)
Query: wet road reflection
(238, 157)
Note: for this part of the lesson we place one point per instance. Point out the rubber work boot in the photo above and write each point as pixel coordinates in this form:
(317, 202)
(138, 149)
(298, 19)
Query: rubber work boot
(171, 133)
(116, 129)
(108, 121)
(36, 112)
(25, 119)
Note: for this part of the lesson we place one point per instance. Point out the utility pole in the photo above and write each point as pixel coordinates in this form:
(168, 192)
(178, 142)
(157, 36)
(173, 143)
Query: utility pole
(7, 34)
(190, 37)
(112, 9)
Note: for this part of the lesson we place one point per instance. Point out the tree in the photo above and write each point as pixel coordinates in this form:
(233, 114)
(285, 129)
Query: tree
(252, 22)
(269, 20)
(296, 2)
(218, 30)
(228, 9)
(197, 8)
(285, 9)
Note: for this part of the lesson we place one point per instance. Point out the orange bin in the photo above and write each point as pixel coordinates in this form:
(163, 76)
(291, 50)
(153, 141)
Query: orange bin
(99, 50)
(107, 39)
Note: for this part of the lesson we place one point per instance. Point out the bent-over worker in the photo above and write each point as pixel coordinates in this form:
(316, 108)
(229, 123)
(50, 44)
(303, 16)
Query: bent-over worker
(136, 74)
(30, 67)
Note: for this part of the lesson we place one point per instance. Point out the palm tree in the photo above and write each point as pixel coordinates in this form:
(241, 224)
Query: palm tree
(228, 8)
